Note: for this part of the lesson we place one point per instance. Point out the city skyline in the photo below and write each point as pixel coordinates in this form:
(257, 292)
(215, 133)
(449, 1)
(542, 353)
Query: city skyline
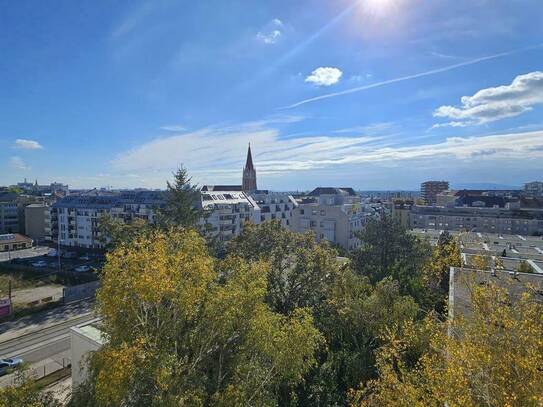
(377, 95)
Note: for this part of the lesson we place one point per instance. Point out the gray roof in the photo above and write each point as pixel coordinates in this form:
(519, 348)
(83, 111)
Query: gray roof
(462, 279)
(332, 191)
(108, 200)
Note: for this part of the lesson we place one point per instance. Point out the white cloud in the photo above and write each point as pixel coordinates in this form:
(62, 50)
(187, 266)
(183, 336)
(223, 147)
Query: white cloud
(216, 154)
(271, 33)
(324, 76)
(492, 104)
(27, 144)
(410, 77)
(17, 163)
(173, 128)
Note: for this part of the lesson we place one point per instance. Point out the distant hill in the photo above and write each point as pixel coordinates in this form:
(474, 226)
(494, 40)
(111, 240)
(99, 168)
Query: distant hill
(483, 185)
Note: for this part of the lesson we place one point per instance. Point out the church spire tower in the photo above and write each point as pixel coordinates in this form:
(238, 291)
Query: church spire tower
(249, 173)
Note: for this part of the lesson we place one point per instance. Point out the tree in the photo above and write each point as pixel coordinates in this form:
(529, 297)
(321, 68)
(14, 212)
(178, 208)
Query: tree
(387, 249)
(14, 190)
(350, 311)
(356, 316)
(182, 206)
(481, 262)
(26, 393)
(445, 254)
(524, 267)
(491, 357)
(181, 333)
(301, 269)
(115, 231)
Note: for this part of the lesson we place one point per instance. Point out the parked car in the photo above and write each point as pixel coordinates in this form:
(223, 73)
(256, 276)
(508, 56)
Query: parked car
(70, 255)
(39, 263)
(82, 269)
(85, 257)
(52, 253)
(8, 364)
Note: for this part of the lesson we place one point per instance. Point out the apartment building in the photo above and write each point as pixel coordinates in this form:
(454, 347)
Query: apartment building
(430, 189)
(228, 208)
(401, 211)
(478, 219)
(38, 221)
(75, 218)
(275, 206)
(9, 213)
(333, 214)
(534, 189)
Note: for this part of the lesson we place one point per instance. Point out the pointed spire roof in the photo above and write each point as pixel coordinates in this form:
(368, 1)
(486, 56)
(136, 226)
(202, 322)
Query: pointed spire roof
(249, 162)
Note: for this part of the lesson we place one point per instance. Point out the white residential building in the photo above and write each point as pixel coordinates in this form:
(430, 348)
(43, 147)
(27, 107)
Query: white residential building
(333, 214)
(228, 209)
(275, 206)
(75, 218)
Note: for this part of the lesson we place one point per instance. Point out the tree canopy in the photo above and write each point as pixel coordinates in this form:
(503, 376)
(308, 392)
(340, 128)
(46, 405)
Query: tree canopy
(182, 204)
(493, 357)
(181, 333)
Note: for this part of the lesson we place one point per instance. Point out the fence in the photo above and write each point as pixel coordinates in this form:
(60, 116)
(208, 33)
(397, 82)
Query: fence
(38, 371)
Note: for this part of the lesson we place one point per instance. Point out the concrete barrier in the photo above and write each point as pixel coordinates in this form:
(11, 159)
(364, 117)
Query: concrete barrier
(80, 292)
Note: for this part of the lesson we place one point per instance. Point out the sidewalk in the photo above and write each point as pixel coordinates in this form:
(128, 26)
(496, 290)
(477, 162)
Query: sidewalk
(38, 293)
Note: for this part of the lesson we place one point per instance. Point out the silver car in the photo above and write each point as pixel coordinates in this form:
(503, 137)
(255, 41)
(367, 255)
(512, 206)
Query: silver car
(6, 365)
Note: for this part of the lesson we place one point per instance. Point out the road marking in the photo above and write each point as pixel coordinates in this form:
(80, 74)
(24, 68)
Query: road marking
(536, 268)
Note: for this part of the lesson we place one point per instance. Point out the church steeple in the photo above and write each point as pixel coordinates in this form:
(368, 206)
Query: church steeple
(249, 173)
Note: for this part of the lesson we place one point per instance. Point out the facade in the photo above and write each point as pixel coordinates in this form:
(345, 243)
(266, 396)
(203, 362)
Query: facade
(249, 173)
(9, 213)
(478, 219)
(534, 189)
(333, 214)
(275, 206)
(430, 189)
(84, 339)
(228, 209)
(75, 218)
(14, 241)
(401, 211)
(38, 221)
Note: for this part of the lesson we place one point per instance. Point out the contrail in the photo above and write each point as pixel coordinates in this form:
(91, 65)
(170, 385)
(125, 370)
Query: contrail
(414, 76)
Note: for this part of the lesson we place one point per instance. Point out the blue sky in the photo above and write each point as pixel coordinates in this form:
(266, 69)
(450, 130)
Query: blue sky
(374, 94)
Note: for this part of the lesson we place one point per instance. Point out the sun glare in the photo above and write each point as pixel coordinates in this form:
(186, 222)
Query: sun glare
(378, 7)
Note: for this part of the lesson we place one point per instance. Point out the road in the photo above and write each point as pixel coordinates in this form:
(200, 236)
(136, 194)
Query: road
(24, 253)
(42, 339)
(39, 345)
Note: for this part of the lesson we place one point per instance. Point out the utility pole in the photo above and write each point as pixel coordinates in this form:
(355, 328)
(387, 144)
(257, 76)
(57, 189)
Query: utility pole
(58, 252)
(9, 295)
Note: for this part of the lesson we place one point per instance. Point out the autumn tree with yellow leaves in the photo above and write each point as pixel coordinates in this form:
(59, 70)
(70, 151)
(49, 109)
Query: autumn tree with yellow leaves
(491, 357)
(183, 329)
